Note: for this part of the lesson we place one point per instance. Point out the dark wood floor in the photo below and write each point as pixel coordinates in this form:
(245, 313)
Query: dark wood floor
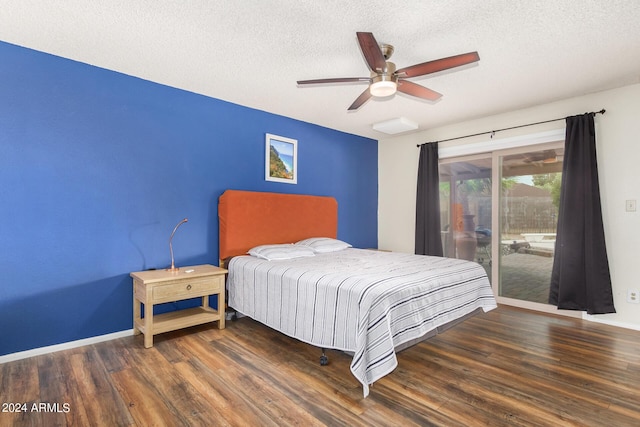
(506, 367)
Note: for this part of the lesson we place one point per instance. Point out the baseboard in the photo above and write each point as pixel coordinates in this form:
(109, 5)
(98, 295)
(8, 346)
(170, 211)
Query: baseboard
(64, 346)
(598, 319)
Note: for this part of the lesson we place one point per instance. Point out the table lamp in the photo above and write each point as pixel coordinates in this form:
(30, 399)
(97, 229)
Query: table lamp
(173, 266)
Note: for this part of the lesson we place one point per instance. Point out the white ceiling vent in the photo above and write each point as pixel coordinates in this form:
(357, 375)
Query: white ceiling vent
(394, 126)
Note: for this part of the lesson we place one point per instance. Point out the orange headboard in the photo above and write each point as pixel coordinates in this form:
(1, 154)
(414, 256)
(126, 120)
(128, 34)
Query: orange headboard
(251, 218)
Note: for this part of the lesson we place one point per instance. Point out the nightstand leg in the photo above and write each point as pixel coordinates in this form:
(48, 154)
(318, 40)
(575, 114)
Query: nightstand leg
(136, 315)
(221, 310)
(148, 325)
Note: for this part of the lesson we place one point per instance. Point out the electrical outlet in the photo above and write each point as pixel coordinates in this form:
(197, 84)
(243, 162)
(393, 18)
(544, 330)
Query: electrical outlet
(632, 296)
(630, 205)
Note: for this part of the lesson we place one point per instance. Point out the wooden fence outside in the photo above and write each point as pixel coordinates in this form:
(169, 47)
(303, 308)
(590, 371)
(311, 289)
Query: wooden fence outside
(520, 214)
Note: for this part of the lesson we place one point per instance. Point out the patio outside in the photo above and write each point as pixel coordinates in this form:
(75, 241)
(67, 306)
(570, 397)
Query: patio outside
(525, 268)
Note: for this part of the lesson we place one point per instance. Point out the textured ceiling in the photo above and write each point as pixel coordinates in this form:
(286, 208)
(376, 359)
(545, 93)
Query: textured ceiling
(252, 52)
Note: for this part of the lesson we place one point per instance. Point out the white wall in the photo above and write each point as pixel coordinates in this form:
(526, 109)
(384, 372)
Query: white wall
(618, 148)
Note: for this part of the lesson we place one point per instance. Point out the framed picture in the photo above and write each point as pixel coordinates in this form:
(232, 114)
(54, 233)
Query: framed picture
(281, 159)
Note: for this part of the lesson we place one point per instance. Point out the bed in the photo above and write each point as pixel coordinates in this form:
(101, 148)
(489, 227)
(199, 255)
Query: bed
(366, 302)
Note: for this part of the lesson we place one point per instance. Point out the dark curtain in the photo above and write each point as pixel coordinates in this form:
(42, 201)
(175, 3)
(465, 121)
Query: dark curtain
(580, 278)
(428, 241)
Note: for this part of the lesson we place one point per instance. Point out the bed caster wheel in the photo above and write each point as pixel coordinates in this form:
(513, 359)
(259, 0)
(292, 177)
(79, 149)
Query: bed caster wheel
(324, 360)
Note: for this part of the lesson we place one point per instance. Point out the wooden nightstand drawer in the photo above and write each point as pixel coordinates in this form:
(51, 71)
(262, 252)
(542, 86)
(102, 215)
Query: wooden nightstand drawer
(183, 289)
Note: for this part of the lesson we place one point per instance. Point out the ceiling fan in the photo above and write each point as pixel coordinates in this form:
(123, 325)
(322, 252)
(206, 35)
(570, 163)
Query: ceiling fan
(546, 156)
(385, 79)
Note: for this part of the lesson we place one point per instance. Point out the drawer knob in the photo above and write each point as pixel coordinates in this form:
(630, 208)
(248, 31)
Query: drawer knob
(188, 287)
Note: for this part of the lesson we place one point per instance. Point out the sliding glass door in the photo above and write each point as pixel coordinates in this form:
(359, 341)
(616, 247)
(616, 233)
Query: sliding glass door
(466, 209)
(528, 217)
(500, 210)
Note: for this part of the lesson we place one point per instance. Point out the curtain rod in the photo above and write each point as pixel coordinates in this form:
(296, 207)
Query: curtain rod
(492, 132)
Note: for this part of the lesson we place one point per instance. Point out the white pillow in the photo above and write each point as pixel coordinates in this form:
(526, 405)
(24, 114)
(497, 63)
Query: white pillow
(280, 252)
(321, 245)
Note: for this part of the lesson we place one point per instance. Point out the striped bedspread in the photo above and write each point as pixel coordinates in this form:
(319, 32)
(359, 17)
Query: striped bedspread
(362, 301)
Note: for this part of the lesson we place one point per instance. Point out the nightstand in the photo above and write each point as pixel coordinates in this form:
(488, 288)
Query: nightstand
(160, 286)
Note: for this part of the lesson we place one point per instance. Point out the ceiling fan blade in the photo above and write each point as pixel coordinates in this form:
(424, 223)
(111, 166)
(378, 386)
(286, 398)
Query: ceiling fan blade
(413, 89)
(438, 65)
(336, 80)
(371, 51)
(364, 97)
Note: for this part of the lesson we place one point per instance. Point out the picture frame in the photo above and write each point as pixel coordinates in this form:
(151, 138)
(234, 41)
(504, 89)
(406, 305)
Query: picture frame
(281, 159)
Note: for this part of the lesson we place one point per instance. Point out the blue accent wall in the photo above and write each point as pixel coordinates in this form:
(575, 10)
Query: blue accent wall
(97, 167)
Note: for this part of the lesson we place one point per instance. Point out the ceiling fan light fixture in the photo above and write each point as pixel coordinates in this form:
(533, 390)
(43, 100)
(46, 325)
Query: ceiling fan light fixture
(383, 88)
